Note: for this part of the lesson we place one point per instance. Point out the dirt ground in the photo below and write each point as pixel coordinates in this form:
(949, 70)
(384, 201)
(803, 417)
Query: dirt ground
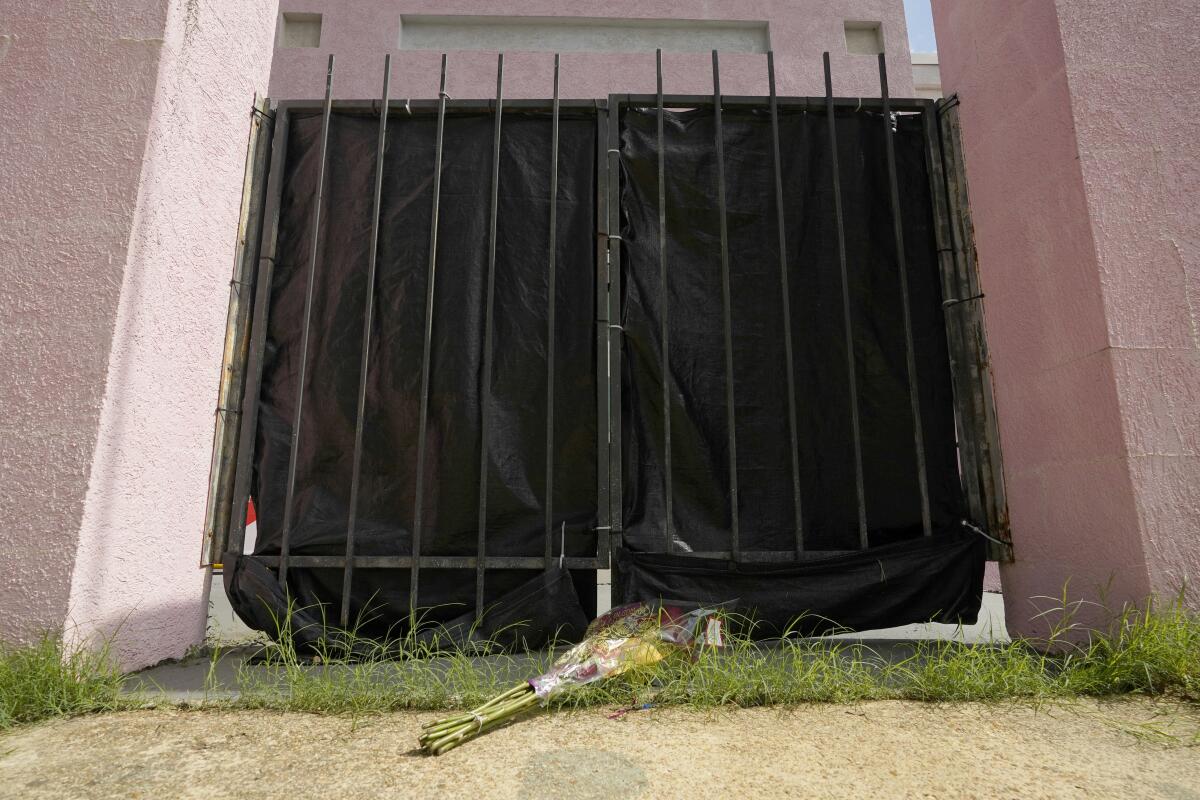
(1127, 749)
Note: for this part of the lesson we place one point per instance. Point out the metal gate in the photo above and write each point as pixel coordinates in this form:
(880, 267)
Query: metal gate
(238, 418)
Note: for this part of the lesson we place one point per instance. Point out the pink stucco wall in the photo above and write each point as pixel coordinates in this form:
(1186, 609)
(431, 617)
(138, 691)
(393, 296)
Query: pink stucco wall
(123, 154)
(1134, 72)
(1083, 161)
(119, 237)
(83, 78)
(359, 32)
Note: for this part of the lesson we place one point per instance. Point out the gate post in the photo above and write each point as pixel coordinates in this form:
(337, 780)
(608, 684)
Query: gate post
(1080, 144)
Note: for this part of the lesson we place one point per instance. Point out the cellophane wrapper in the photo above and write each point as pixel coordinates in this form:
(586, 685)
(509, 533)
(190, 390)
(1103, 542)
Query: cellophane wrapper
(633, 635)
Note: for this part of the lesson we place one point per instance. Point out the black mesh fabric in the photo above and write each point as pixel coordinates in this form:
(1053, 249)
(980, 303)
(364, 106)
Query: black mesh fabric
(516, 463)
(825, 443)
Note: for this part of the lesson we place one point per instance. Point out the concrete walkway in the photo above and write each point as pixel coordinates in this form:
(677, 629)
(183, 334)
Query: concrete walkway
(1128, 749)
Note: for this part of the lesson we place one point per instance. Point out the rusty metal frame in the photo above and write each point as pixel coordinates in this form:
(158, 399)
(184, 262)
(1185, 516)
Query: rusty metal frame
(226, 428)
(975, 406)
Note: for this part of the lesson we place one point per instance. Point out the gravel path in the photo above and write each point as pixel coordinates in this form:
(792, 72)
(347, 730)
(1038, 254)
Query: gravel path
(1127, 749)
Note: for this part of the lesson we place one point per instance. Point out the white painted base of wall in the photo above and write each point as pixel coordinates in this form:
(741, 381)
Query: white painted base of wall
(224, 628)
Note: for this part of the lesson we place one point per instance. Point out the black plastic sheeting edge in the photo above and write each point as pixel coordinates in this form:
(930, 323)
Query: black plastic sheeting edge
(259, 601)
(546, 608)
(931, 579)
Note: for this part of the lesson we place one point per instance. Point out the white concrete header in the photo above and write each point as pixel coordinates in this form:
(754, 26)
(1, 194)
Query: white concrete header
(581, 34)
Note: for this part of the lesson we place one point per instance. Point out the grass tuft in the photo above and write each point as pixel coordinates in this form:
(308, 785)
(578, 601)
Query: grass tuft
(45, 680)
(1153, 651)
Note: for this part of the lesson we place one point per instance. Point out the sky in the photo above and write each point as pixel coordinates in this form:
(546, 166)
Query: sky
(920, 26)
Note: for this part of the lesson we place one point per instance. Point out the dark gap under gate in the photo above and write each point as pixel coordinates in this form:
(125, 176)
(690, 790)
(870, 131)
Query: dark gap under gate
(497, 346)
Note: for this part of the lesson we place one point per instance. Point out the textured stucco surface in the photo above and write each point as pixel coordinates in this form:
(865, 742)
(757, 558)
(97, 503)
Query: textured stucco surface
(119, 199)
(1133, 69)
(1081, 160)
(137, 563)
(77, 86)
(359, 32)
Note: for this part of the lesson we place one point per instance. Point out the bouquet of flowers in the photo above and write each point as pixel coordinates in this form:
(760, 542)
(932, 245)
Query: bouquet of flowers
(634, 635)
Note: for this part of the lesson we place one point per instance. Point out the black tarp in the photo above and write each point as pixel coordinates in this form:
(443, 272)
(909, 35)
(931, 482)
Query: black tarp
(929, 579)
(516, 483)
(544, 609)
(912, 577)
(702, 511)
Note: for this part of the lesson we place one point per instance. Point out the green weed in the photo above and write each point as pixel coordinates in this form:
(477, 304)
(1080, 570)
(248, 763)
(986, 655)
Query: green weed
(1152, 651)
(45, 680)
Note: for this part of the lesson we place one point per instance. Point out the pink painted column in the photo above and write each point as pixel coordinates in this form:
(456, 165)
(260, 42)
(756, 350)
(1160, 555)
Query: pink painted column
(124, 149)
(1082, 153)
(77, 86)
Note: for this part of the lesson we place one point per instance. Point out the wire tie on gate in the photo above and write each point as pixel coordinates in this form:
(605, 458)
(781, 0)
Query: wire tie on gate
(982, 533)
(446, 95)
(954, 301)
(602, 528)
(407, 106)
(947, 103)
(858, 108)
(620, 328)
(616, 150)
(613, 237)
(562, 548)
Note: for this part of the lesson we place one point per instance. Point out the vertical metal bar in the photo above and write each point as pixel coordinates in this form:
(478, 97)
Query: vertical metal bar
(612, 242)
(730, 417)
(485, 390)
(603, 512)
(551, 331)
(849, 328)
(902, 264)
(665, 332)
(787, 304)
(308, 300)
(356, 469)
(430, 276)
